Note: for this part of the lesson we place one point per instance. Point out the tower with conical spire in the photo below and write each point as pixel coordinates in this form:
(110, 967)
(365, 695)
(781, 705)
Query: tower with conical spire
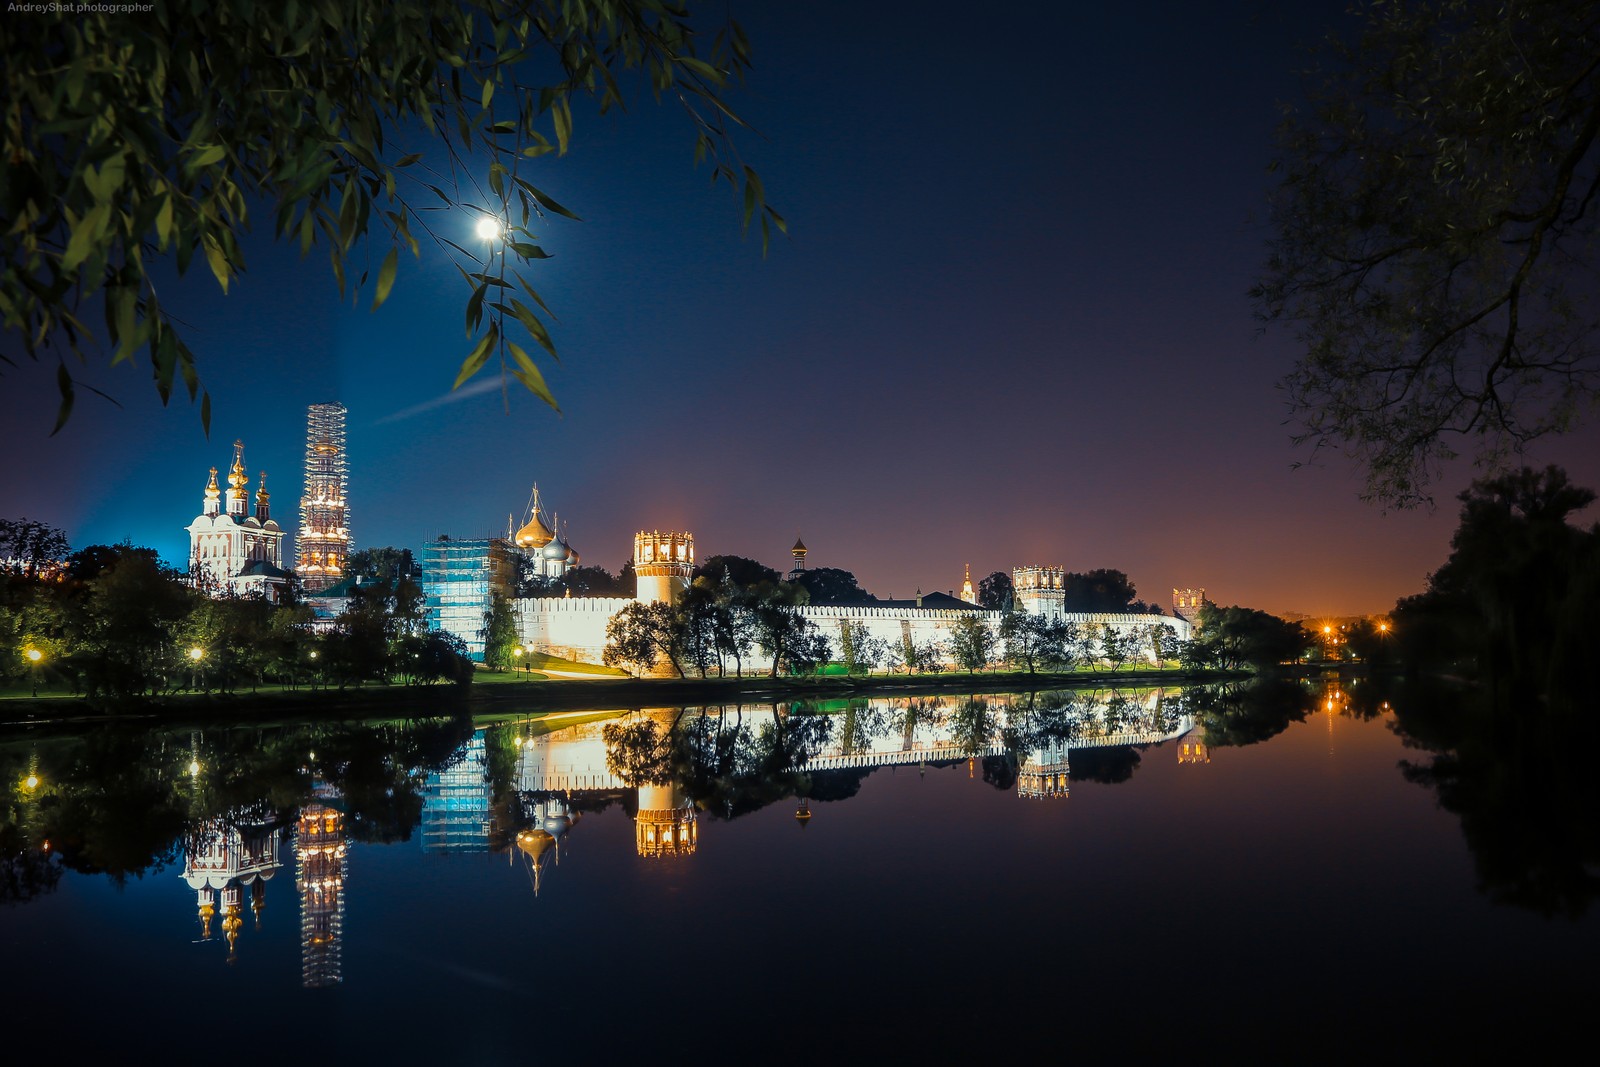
(966, 587)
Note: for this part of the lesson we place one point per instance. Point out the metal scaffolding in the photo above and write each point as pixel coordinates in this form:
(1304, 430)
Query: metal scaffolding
(324, 541)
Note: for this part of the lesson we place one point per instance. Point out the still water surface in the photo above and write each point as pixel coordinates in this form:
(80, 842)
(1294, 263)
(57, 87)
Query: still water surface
(1264, 876)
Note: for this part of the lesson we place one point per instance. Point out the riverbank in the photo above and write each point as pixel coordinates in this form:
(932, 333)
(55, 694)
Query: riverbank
(541, 695)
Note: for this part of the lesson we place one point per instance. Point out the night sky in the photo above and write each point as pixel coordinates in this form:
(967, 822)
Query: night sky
(1010, 326)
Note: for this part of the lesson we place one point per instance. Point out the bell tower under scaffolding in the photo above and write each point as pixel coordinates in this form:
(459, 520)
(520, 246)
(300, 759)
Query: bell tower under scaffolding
(324, 541)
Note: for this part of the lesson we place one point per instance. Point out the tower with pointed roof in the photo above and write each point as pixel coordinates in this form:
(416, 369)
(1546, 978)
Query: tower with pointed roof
(231, 551)
(966, 587)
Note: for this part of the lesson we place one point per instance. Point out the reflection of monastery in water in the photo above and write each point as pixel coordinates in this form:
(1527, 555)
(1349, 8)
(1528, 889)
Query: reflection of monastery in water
(320, 858)
(456, 802)
(557, 774)
(223, 859)
(230, 855)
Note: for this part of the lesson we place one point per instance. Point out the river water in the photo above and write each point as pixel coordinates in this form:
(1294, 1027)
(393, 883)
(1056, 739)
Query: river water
(1285, 874)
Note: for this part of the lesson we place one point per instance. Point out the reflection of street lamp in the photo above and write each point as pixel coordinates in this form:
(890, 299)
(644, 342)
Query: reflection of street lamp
(35, 657)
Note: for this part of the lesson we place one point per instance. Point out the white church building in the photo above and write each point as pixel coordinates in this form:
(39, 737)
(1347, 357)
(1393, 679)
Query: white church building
(232, 551)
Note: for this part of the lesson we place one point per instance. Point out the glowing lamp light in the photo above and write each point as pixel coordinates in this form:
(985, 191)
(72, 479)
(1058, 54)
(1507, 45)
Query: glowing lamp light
(34, 655)
(488, 229)
(197, 653)
(32, 781)
(194, 767)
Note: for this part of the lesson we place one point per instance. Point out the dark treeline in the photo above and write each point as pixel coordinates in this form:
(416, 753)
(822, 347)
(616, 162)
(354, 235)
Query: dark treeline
(112, 622)
(1512, 605)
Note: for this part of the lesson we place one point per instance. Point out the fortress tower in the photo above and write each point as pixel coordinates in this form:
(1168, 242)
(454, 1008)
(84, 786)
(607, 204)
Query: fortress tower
(1040, 590)
(663, 563)
(1186, 602)
(324, 542)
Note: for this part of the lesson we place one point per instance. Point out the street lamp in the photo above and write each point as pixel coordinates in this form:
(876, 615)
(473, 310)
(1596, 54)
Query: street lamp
(35, 657)
(517, 652)
(196, 654)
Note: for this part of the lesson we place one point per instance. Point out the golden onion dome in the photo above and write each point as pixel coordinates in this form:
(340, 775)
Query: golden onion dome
(535, 534)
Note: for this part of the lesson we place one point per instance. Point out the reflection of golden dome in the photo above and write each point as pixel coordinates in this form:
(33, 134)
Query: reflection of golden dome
(535, 843)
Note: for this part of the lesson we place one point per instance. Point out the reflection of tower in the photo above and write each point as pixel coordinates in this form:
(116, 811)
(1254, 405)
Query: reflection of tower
(666, 823)
(1040, 590)
(1186, 603)
(1047, 774)
(319, 848)
(966, 587)
(663, 563)
(324, 542)
(220, 858)
(1194, 750)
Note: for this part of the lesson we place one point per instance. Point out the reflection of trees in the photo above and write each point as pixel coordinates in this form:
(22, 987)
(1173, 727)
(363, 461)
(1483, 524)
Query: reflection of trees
(1520, 781)
(973, 725)
(721, 764)
(1108, 766)
(122, 801)
(1247, 713)
(25, 872)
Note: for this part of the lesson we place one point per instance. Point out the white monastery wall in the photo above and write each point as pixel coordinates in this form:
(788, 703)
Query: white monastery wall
(570, 627)
(575, 627)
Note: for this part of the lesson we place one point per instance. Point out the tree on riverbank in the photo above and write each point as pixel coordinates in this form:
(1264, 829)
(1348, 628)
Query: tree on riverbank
(1435, 236)
(971, 643)
(115, 623)
(1512, 604)
(1233, 637)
